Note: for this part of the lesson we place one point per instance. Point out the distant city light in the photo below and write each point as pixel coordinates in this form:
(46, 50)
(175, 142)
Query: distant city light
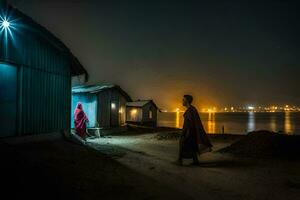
(251, 108)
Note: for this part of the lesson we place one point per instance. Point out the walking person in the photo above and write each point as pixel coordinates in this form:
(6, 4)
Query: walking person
(80, 120)
(193, 140)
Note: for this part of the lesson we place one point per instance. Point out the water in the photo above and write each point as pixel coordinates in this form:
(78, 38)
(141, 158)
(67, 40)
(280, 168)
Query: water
(239, 123)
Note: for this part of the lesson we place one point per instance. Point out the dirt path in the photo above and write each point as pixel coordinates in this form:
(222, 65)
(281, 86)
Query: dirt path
(62, 170)
(219, 176)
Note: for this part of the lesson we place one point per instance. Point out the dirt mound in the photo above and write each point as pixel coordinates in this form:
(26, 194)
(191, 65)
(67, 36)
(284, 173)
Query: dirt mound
(266, 144)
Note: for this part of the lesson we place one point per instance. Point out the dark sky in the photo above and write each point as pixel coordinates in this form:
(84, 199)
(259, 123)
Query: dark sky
(222, 52)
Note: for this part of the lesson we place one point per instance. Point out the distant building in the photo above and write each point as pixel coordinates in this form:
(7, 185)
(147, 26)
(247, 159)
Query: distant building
(35, 76)
(104, 104)
(142, 112)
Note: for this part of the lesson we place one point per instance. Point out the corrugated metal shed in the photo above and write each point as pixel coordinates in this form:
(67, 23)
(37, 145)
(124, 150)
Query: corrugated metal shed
(108, 100)
(44, 69)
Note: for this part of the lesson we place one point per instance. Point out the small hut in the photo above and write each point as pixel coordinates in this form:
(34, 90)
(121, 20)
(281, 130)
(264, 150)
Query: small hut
(104, 104)
(141, 112)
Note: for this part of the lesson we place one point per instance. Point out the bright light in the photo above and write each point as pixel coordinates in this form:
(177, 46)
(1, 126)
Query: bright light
(177, 109)
(211, 110)
(133, 112)
(251, 108)
(113, 106)
(5, 24)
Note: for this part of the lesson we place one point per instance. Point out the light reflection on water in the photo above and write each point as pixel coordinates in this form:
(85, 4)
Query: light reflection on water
(287, 123)
(239, 123)
(177, 120)
(273, 123)
(211, 123)
(251, 122)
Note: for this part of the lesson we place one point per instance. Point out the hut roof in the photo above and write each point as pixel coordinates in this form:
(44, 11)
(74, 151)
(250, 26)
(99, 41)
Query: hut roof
(140, 103)
(99, 88)
(76, 67)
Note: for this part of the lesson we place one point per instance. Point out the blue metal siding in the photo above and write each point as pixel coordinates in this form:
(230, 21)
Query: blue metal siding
(46, 102)
(31, 45)
(27, 50)
(89, 103)
(8, 100)
(44, 79)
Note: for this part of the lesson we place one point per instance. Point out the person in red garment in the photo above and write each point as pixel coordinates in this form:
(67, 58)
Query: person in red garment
(80, 120)
(193, 140)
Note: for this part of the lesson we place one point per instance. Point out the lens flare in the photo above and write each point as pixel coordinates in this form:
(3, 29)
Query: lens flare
(5, 24)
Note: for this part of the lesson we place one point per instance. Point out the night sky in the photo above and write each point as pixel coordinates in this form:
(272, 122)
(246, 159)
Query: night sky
(222, 52)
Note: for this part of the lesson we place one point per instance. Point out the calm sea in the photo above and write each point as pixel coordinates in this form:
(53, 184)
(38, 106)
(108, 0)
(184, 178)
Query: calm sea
(239, 123)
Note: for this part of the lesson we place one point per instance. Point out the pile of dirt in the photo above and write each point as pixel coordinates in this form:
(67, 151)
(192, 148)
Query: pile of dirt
(266, 144)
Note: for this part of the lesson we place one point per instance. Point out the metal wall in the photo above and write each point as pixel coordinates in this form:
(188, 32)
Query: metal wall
(104, 98)
(146, 110)
(22, 48)
(89, 103)
(44, 76)
(8, 100)
(108, 116)
(29, 44)
(45, 102)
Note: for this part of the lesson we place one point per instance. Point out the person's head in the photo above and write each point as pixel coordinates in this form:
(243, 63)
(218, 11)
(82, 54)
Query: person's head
(187, 100)
(79, 106)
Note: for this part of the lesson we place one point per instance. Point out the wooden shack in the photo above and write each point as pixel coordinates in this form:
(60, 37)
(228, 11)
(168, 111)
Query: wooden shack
(141, 112)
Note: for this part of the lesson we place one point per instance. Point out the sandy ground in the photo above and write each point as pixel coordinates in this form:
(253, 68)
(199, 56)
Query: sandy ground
(219, 176)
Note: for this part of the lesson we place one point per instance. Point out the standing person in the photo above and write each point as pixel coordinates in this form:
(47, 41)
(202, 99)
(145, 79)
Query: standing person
(194, 139)
(80, 120)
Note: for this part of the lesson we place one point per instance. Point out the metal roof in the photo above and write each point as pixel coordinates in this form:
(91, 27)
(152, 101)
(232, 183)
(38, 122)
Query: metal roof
(140, 103)
(76, 66)
(91, 88)
(98, 88)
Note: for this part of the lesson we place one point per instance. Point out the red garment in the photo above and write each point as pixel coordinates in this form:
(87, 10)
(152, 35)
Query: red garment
(80, 120)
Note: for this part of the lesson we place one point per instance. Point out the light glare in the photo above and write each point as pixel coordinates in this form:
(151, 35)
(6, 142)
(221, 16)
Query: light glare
(5, 24)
